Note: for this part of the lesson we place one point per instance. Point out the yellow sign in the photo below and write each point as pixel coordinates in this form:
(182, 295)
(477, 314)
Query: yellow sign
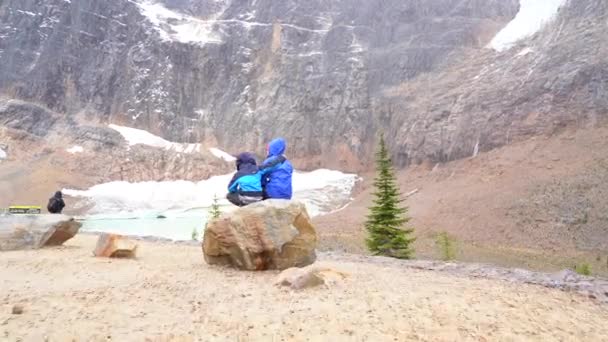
(24, 209)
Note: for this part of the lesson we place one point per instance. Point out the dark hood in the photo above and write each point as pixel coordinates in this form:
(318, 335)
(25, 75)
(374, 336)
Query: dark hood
(58, 194)
(277, 147)
(245, 160)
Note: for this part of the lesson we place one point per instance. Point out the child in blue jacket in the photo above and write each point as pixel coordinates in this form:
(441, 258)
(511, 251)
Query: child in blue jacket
(277, 171)
(246, 185)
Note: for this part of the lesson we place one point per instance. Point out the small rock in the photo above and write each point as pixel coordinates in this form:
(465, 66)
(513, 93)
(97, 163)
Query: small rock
(115, 246)
(17, 309)
(310, 276)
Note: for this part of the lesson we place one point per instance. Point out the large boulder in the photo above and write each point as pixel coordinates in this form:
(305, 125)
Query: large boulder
(35, 231)
(273, 234)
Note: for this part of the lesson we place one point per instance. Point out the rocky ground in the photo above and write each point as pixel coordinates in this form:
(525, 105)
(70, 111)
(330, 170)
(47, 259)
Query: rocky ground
(170, 294)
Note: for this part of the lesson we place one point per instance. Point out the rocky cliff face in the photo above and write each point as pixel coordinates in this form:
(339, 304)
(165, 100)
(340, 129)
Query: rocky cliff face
(483, 100)
(326, 75)
(95, 153)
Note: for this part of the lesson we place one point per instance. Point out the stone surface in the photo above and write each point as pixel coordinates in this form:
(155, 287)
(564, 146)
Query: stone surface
(35, 231)
(17, 309)
(273, 234)
(328, 76)
(309, 276)
(256, 68)
(484, 100)
(104, 148)
(115, 246)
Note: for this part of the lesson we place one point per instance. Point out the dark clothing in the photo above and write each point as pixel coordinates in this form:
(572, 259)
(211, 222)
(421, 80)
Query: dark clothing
(246, 185)
(56, 204)
(242, 200)
(277, 172)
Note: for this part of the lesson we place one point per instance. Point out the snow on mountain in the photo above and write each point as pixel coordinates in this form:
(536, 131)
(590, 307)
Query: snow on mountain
(175, 26)
(221, 154)
(75, 149)
(136, 136)
(532, 16)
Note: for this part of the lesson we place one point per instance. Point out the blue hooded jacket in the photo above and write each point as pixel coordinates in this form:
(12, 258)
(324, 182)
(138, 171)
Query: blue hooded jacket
(247, 180)
(277, 171)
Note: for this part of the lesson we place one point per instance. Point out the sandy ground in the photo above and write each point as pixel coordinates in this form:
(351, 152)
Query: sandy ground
(170, 294)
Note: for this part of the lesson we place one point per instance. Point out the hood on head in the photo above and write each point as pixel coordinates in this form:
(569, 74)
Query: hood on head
(245, 158)
(277, 147)
(58, 194)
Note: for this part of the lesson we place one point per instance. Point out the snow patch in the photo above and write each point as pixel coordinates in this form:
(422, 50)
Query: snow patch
(75, 149)
(524, 52)
(180, 27)
(201, 113)
(221, 154)
(2, 154)
(356, 46)
(247, 67)
(322, 191)
(476, 149)
(136, 136)
(175, 26)
(532, 16)
(310, 53)
(27, 13)
(116, 197)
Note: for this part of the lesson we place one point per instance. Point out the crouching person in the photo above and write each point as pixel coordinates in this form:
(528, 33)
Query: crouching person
(246, 185)
(56, 203)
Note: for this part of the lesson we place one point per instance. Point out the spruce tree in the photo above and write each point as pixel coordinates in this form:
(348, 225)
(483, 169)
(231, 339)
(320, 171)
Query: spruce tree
(214, 212)
(215, 208)
(388, 234)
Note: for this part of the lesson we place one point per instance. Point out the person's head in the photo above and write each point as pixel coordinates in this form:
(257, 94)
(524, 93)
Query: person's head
(245, 158)
(58, 194)
(277, 147)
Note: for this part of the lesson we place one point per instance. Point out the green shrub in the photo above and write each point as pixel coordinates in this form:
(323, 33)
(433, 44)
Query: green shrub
(446, 246)
(194, 235)
(583, 269)
(215, 211)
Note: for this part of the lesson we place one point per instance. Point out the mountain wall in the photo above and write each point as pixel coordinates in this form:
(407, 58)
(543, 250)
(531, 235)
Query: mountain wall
(326, 75)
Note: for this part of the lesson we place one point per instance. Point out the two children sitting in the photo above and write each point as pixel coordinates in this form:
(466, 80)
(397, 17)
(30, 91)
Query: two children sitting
(271, 180)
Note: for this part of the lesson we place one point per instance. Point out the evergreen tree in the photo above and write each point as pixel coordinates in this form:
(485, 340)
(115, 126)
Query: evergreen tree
(215, 208)
(386, 223)
(214, 213)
